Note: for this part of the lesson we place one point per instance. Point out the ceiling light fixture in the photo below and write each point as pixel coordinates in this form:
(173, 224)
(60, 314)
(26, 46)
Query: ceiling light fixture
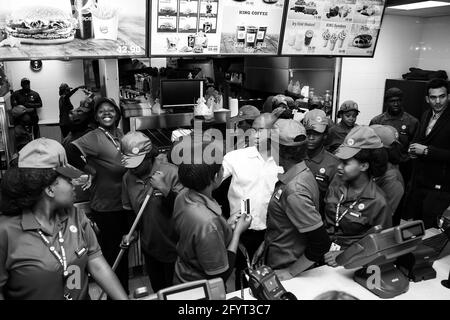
(421, 5)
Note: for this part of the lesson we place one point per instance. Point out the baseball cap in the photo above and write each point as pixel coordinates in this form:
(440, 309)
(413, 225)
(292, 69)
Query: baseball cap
(24, 80)
(316, 120)
(64, 86)
(291, 132)
(387, 134)
(17, 111)
(361, 137)
(247, 112)
(46, 153)
(135, 145)
(393, 92)
(348, 105)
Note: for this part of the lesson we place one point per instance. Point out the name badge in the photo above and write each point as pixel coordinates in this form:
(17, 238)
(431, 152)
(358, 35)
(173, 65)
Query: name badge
(278, 194)
(355, 214)
(157, 193)
(81, 252)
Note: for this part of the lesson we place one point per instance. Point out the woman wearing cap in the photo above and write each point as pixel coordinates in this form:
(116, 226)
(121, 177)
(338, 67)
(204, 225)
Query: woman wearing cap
(348, 112)
(354, 203)
(158, 237)
(295, 238)
(391, 181)
(101, 150)
(65, 107)
(47, 248)
(207, 244)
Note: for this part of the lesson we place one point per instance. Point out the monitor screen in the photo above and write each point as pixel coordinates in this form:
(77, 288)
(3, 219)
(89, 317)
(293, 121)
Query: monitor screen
(332, 27)
(412, 232)
(180, 93)
(55, 29)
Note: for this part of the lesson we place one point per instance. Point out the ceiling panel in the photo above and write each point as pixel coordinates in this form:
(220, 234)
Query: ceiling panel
(423, 13)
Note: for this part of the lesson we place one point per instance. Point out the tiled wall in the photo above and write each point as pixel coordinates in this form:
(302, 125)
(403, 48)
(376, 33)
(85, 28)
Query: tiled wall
(363, 79)
(435, 44)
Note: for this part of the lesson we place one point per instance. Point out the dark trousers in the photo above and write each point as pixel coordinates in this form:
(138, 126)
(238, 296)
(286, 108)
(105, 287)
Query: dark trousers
(251, 239)
(159, 273)
(113, 226)
(426, 205)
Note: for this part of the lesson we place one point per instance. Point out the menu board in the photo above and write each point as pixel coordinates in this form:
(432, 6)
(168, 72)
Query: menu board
(332, 27)
(47, 29)
(212, 27)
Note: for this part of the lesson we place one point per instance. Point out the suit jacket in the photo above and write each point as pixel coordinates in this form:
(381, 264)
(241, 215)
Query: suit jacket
(433, 170)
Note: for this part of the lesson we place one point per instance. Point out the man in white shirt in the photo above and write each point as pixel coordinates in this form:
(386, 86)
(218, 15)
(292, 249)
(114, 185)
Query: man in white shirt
(254, 173)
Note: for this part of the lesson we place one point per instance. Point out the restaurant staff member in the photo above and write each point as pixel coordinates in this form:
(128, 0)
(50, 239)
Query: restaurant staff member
(207, 244)
(101, 149)
(29, 99)
(429, 194)
(348, 112)
(158, 238)
(296, 237)
(322, 164)
(354, 203)
(65, 107)
(253, 172)
(391, 182)
(401, 120)
(47, 248)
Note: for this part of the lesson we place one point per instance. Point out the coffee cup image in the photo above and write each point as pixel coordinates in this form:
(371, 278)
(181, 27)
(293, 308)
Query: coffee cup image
(308, 37)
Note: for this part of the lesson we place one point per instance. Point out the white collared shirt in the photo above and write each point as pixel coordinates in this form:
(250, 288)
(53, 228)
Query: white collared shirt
(252, 178)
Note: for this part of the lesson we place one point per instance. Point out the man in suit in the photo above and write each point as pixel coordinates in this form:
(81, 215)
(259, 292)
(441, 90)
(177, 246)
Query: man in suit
(429, 192)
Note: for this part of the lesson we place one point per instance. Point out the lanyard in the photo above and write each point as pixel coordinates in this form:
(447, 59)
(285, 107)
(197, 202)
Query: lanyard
(111, 138)
(338, 206)
(60, 257)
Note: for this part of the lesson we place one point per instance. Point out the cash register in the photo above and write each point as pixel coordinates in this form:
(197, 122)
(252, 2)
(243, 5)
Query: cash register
(377, 252)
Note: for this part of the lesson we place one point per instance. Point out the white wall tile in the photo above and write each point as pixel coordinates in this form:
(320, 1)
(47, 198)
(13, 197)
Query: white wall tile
(363, 79)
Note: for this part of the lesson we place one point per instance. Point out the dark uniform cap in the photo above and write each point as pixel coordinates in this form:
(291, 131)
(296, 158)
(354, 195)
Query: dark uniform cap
(135, 145)
(393, 92)
(361, 137)
(387, 134)
(24, 80)
(348, 105)
(289, 132)
(316, 120)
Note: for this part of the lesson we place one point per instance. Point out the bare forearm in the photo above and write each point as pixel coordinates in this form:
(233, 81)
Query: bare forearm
(106, 278)
(234, 243)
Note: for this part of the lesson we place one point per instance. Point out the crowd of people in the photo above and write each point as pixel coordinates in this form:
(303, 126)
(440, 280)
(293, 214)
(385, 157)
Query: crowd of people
(310, 193)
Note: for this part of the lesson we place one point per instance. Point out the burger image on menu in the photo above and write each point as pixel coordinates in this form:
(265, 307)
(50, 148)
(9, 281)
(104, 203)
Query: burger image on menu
(41, 25)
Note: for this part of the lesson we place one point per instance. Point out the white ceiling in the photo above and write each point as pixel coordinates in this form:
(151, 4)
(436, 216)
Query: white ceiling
(423, 13)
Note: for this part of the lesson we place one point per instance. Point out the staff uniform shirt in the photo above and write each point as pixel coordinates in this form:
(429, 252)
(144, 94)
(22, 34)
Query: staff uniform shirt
(336, 136)
(204, 236)
(158, 235)
(370, 210)
(252, 178)
(293, 211)
(29, 271)
(324, 167)
(406, 126)
(65, 106)
(102, 154)
(28, 99)
(392, 187)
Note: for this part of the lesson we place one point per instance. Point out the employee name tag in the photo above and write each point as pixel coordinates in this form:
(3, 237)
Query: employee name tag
(320, 177)
(335, 247)
(278, 194)
(81, 252)
(157, 193)
(355, 214)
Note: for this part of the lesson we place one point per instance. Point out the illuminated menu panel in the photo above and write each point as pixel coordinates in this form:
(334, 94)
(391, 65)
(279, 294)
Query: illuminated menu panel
(47, 29)
(336, 27)
(212, 27)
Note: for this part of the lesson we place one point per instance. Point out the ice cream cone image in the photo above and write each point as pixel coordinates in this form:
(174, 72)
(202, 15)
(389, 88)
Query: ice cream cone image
(341, 38)
(326, 36)
(333, 40)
